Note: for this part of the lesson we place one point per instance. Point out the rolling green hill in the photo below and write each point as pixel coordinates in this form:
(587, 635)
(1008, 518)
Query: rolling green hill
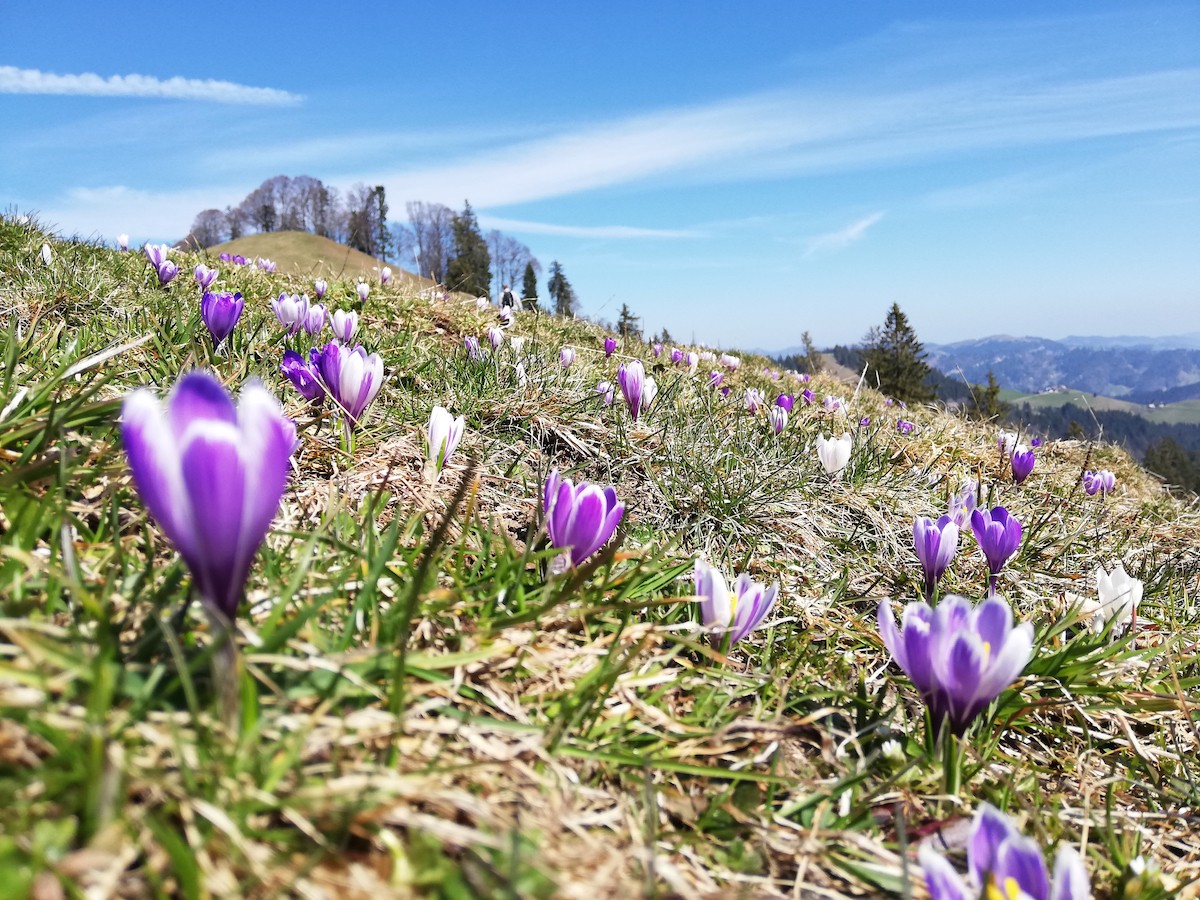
(1184, 412)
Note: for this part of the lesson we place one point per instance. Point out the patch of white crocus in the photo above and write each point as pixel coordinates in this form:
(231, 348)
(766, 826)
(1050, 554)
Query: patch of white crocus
(834, 453)
(1119, 596)
(445, 432)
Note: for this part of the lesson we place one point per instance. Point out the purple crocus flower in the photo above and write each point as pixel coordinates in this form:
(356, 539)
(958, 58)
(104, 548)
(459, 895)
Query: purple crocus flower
(715, 378)
(579, 519)
(319, 288)
(156, 254)
(352, 377)
(676, 356)
(864, 422)
(959, 658)
(314, 321)
(803, 377)
(167, 272)
(123, 241)
(905, 427)
(606, 390)
(692, 358)
(736, 615)
(343, 325)
(267, 265)
(566, 356)
(754, 400)
(1002, 863)
(730, 362)
(211, 474)
(385, 275)
(205, 276)
(832, 403)
(225, 257)
(291, 310)
(610, 346)
(777, 417)
(935, 543)
(963, 504)
(473, 350)
(999, 536)
(786, 401)
(808, 396)
(656, 348)
(1023, 461)
(632, 378)
(364, 291)
(220, 312)
(495, 337)
(1101, 482)
(304, 375)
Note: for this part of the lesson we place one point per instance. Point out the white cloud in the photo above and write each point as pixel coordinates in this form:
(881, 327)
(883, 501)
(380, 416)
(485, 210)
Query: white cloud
(88, 84)
(518, 226)
(145, 215)
(840, 239)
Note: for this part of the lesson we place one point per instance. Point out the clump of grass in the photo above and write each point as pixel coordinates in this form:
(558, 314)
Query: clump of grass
(428, 710)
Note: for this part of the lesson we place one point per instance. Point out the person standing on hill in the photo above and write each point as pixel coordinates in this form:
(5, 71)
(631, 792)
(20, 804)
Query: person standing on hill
(507, 298)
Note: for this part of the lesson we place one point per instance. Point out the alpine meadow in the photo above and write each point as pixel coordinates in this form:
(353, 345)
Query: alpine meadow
(318, 580)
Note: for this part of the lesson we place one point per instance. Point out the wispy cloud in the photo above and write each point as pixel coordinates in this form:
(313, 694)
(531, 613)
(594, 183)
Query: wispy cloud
(88, 84)
(841, 239)
(145, 215)
(518, 226)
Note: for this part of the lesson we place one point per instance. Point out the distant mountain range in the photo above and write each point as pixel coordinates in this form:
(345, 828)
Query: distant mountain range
(1141, 370)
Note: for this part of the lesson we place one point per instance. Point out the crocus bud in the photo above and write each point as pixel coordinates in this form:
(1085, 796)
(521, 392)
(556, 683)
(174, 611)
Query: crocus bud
(291, 310)
(632, 378)
(657, 349)
(807, 396)
(303, 374)
(473, 350)
(1023, 461)
(693, 360)
(220, 312)
(123, 241)
(1101, 482)
(566, 356)
(777, 418)
(352, 378)
(495, 337)
(754, 400)
(204, 276)
(730, 362)
(364, 291)
(343, 325)
(579, 520)
(47, 255)
(266, 265)
(385, 275)
(167, 272)
(999, 535)
(676, 356)
(715, 378)
(785, 401)
(211, 474)
(314, 321)
(610, 345)
(445, 432)
(935, 543)
(156, 254)
(834, 453)
(1120, 593)
(606, 391)
(319, 288)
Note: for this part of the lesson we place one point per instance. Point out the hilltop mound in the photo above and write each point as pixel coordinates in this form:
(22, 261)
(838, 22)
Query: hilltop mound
(300, 253)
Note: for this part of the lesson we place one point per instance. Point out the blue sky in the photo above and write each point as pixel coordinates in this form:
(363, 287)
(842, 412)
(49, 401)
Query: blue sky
(736, 172)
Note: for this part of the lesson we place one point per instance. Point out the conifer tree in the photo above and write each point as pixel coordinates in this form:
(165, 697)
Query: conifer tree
(985, 400)
(560, 290)
(470, 269)
(627, 323)
(897, 359)
(529, 287)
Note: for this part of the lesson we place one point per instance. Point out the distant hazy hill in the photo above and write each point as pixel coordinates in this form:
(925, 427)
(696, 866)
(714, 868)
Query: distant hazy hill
(301, 253)
(1137, 373)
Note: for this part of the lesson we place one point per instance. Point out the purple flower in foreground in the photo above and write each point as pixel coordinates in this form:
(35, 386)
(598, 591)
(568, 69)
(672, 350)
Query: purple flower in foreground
(959, 658)
(785, 401)
(807, 396)
(632, 378)
(676, 356)
(935, 543)
(204, 276)
(734, 615)
(1101, 482)
(715, 378)
(999, 536)
(211, 474)
(352, 377)
(343, 324)
(606, 391)
(579, 519)
(1005, 865)
(220, 312)
(319, 288)
(777, 418)
(291, 310)
(610, 346)
(305, 376)
(495, 337)
(225, 257)
(167, 272)
(1023, 461)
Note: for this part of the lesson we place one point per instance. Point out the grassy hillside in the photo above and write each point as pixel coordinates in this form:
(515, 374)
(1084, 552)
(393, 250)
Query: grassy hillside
(426, 701)
(307, 255)
(1183, 412)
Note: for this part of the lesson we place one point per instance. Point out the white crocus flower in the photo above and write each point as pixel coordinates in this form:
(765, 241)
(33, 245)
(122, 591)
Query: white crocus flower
(834, 453)
(445, 432)
(1120, 593)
